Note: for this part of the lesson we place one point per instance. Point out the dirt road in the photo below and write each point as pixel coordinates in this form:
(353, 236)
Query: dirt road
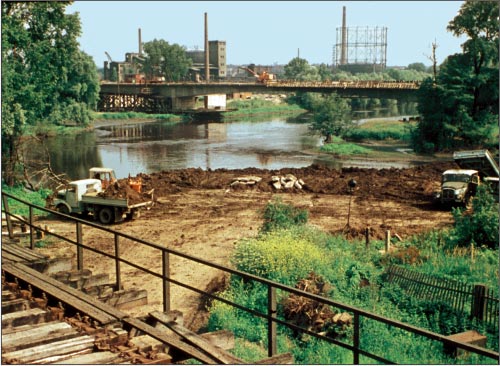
(198, 212)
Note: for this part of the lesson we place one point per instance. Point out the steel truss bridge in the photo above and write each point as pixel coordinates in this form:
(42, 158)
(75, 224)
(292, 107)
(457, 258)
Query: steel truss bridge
(181, 96)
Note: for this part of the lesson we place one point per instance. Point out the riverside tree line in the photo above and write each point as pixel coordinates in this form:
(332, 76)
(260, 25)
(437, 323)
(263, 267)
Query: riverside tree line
(48, 81)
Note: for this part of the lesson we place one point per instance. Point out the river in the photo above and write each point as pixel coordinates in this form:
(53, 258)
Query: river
(145, 147)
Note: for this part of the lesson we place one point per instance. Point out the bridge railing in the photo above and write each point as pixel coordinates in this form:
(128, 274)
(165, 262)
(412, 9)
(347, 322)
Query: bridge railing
(354, 343)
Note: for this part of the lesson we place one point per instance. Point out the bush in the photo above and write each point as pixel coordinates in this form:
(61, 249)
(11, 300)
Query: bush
(480, 227)
(278, 215)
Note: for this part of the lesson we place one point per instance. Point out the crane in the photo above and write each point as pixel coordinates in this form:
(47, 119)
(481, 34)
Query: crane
(263, 77)
(108, 56)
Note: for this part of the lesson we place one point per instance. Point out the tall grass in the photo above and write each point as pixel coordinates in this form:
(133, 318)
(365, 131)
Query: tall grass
(288, 253)
(381, 130)
(35, 197)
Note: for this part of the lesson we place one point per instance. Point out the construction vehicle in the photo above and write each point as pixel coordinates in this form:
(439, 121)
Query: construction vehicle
(85, 196)
(263, 77)
(477, 167)
(107, 176)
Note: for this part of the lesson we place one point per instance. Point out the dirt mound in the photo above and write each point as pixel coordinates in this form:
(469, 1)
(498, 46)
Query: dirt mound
(415, 184)
(121, 189)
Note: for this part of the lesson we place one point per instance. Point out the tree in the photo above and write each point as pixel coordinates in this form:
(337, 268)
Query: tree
(299, 69)
(164, 59)
(46, 79)
(332, 117)
(417, 66)
(461, 108)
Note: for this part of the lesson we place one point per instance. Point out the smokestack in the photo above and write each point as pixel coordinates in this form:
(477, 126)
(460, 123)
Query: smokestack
(140, 43)
(207, 68)
(344, 40)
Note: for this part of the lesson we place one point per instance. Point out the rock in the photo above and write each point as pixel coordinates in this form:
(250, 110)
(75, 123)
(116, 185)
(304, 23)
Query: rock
(301, 182)
(251, 178)
(275, 178)
(289, 184)
(277, 185)
(296, 184)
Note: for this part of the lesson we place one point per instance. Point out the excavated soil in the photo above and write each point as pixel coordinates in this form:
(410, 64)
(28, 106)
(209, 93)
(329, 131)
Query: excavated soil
(199, 213)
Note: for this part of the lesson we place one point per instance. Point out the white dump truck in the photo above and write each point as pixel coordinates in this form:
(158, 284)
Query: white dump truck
(476, 167)
(83, 197)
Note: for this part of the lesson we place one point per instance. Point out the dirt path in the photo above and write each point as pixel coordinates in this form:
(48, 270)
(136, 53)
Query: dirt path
(197, 213)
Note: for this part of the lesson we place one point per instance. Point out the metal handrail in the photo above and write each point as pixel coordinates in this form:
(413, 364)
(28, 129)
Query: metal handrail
(270, 316)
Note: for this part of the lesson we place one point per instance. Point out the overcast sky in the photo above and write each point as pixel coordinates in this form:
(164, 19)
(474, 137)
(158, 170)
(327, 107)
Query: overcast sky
(267, 32)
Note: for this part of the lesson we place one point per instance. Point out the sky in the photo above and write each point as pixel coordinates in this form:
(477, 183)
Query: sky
(267, 32)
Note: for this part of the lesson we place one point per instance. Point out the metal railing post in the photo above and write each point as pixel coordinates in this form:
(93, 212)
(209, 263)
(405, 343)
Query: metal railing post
(32, 238)
(117, 263)
(356, 339)
(7, 217)
(79, 248)
(271, 325)
(166, 283)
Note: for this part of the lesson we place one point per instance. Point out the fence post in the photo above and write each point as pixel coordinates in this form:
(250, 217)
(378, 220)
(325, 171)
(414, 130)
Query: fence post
(117, 263)
(32, 238)
(367, 237)
(271, 325)
(79, 249)
(7, 216)
(387, 241)
(356, 339)
(478, 302)
(166, 283)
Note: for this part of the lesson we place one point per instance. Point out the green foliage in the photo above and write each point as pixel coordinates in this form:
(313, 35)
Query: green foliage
(164, 59)
(381, 130)
(461, 108)
(278, 215)
(46, 79)
(299, 69)
(344, 148)
(479, 227)
(35, 197)
(331, 116)
(134, 115)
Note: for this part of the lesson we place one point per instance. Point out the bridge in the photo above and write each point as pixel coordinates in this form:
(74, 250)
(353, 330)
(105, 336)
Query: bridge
(181, 96)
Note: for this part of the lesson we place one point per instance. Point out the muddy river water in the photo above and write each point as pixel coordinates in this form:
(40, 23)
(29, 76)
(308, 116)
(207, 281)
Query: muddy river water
(132, 147)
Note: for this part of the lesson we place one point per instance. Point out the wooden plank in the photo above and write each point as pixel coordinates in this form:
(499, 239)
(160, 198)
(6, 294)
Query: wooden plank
(30, 316)
(281, 359)
(29, 355)
(103, 313)
(220, 338)
(218, 353)
(22, 328)
(171, 341)
(11, 306)
(38, 336)
(96, 358)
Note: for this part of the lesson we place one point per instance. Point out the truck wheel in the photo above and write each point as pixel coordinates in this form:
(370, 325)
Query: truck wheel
(63, 209)
(106, 215)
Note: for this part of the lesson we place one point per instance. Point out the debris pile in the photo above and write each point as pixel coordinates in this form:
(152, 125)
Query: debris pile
(250, 180)
(311, 314)
(286, 182)
(121, 189)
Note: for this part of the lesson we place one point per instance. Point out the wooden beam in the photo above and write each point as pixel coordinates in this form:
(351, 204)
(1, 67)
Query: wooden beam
(218, 353)
(171, 341)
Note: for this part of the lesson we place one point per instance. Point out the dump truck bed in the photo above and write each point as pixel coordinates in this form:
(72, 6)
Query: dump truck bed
(480, 160)
(94, 198)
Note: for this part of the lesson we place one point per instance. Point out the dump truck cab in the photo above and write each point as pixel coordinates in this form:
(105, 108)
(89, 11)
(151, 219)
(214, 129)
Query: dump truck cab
(458, 186)
(105, 175)
(69, 199)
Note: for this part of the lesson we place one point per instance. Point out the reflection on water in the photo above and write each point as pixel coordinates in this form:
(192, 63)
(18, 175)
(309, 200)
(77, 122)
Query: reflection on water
(155, 146)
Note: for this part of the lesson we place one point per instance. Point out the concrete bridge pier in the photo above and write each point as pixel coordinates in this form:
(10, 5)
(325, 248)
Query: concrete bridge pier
(183, 103)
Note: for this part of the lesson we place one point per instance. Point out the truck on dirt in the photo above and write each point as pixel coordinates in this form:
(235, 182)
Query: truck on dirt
(86, 196)
(458, 186)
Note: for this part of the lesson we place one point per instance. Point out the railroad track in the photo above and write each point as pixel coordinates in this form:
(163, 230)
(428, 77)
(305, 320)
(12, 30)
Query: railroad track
(45, 321)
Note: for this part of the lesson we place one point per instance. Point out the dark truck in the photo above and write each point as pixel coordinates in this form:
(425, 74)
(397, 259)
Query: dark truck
(476, 167)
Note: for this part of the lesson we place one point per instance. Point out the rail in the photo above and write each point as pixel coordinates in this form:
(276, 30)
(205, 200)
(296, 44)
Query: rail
(355, 345)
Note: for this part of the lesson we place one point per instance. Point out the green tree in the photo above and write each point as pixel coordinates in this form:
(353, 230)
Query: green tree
(461, 108)
(417, 66)
(299, 69)
(332, 117)
(164, 59)
(46, 79)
